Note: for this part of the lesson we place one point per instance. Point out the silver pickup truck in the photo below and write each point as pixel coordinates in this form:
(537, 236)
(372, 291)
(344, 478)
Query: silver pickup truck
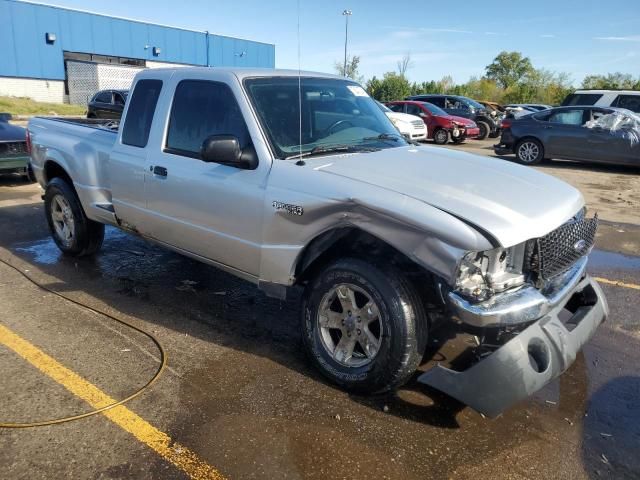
(300, 181)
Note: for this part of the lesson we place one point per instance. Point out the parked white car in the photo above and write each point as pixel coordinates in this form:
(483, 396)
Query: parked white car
(629, 99)
(410, 126)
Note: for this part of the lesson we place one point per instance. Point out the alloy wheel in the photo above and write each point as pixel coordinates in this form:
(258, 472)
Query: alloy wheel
(63, 221)
(349, 325)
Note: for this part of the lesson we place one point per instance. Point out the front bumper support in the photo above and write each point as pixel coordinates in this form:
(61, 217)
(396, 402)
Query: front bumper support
(525, 364)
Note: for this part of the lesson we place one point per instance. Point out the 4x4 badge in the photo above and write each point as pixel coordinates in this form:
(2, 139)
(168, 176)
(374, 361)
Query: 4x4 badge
(287, 207)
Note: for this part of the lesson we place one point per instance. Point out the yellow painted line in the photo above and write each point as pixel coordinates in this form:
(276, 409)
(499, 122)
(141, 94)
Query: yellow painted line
(173, 452)
(617, 283)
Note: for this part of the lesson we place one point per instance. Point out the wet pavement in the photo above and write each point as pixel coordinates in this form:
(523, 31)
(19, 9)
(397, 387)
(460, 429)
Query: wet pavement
(240, 393)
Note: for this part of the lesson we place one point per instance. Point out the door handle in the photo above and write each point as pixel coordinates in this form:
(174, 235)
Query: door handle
(548, 127)
(160, 171)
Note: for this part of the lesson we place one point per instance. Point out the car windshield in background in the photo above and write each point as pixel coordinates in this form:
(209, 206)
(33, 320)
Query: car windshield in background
(434, 110)
(337, 115)
(474, 104)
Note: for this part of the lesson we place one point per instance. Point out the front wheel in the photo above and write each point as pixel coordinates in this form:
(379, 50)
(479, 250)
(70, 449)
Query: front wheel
(364, 326)
(485, 130)
(73, 232)
(529, 151)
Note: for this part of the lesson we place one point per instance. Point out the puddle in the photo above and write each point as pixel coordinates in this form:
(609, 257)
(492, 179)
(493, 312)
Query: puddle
(46, 252)
(603, 260)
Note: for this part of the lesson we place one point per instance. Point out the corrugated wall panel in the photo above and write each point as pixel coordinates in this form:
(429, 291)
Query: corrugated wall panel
(25, 52)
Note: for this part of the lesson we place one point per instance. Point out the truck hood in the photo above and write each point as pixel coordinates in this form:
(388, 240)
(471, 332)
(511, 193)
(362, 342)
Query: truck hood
(509, 202)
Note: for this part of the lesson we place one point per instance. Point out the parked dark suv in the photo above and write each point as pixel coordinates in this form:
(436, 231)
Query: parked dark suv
(464, 107)
(107, 104)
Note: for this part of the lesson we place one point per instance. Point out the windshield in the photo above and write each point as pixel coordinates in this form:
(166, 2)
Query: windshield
(435, 110)
(336, 115)
(383, 107)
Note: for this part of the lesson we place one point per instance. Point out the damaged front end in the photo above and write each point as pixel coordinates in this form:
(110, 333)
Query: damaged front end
(532, 308)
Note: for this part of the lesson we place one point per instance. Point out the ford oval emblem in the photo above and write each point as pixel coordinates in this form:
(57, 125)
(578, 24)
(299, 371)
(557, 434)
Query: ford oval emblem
(579, 245)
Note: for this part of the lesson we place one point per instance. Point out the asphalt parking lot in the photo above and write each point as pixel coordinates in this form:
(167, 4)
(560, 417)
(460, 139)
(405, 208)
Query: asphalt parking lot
(238, 398)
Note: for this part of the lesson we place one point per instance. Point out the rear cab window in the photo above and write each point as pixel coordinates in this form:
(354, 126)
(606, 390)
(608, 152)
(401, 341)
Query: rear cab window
(202, 108)
(137, 123)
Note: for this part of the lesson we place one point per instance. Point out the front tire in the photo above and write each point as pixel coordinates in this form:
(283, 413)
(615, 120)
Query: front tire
(529, 151)
(441, 136)
(70, 228)
(364, 326)
(485, 130)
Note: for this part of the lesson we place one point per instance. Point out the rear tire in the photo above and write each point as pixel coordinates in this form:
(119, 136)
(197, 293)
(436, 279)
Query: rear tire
(70, 228)
(529, 151)
(440, 136)
(378, 342)
(485, 130)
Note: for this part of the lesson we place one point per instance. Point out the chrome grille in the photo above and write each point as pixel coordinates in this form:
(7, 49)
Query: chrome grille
(11, 149)
(417, 123)
(557, 251)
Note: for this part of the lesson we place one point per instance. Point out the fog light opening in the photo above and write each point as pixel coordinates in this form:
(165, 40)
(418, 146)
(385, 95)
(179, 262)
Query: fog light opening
(538, 355)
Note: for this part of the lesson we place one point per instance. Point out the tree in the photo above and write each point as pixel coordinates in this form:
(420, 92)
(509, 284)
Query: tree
(611, 81)
(509, 68)
(353, 62)
(445, 84)
(404, 64)
(391, 87)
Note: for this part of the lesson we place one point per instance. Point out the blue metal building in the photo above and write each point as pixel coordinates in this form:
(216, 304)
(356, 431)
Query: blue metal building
(37, 40)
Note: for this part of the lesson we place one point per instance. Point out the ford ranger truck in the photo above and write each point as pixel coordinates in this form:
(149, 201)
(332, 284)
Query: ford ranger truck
(292, 180)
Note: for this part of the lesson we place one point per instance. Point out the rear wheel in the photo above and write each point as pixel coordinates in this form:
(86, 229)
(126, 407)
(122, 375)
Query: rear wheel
(441, 136)
(70, 228)
(364, 326)
(529, 151)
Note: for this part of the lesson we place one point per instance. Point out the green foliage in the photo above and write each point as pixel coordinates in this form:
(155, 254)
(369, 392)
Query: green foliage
(27, 106)
(392, 87)
(510, 78)
(509, 69)
(352, 68)
(611, 81)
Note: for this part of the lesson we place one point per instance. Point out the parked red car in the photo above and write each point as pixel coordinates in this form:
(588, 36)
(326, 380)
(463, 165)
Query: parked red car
(441, 126)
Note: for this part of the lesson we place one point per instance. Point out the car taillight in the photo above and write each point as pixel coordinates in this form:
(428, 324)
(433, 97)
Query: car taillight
(506, 123)
(28, 142)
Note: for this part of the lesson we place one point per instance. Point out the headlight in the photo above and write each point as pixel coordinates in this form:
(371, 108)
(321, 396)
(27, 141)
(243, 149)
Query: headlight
(481, 274)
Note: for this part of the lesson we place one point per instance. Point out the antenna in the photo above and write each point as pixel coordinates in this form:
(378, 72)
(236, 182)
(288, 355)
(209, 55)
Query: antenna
(300, 161)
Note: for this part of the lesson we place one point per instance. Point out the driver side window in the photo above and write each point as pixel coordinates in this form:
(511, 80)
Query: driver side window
(200, 109)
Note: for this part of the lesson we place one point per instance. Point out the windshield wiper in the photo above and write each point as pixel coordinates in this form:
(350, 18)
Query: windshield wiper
(335, 148)
(385, 136)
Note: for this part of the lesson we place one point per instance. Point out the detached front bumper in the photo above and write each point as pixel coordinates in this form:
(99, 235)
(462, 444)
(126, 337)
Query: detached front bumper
(526, 363)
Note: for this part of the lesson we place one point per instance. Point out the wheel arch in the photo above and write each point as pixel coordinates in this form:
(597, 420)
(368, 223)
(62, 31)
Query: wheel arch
(352, 241)
(52, 169)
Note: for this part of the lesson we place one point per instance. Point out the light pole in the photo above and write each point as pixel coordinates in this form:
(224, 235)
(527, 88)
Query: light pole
(346, 14)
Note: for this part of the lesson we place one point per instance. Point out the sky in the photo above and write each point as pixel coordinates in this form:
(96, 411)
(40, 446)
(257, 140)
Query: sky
(460, 38)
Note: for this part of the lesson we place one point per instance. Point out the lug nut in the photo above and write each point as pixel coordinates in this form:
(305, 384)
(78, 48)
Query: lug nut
(359, 332)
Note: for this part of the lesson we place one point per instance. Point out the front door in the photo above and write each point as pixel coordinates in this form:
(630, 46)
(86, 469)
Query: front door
(211, 210)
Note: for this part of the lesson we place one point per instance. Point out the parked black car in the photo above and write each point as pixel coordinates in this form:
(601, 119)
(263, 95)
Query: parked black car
(573, 133)
(459, 106)
(14, 152)
(107, 104)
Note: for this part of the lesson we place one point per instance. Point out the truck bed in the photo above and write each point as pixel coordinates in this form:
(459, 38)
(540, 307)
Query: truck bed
(82, 147)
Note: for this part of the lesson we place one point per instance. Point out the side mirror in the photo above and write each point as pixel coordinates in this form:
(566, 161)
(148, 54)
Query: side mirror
(225, 149)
